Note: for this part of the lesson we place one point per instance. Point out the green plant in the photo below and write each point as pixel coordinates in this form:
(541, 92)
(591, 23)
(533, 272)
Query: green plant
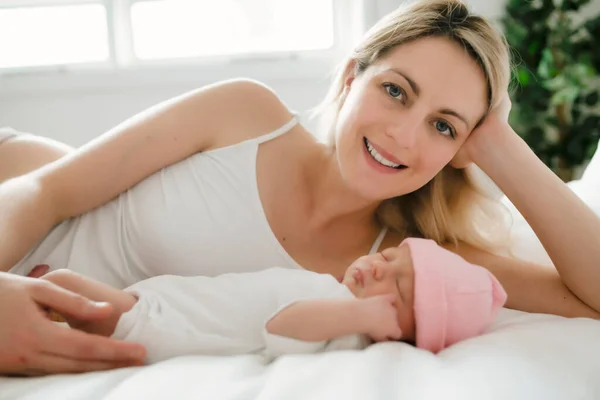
(556, 107)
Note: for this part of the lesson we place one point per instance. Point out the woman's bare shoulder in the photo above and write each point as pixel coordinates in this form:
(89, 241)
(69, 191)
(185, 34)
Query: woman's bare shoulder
(248, 108)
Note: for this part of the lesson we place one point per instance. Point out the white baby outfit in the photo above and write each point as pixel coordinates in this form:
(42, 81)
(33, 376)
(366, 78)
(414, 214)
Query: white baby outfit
(225, 315)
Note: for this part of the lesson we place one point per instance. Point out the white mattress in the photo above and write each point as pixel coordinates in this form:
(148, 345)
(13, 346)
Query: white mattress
(523, 356)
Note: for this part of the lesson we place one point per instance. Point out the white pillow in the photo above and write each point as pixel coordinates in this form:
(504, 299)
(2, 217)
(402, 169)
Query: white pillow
(524, 243)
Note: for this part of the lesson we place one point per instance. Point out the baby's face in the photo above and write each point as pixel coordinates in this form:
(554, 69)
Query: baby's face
(375, 275)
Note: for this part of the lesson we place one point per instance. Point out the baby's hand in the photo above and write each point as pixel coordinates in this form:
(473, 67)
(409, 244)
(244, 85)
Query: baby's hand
(381, 317)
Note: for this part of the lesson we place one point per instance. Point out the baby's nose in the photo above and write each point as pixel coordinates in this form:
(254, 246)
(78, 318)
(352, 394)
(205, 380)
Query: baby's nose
(379, 269)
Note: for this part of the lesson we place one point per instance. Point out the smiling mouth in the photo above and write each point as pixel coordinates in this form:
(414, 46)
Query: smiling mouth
(381, 159)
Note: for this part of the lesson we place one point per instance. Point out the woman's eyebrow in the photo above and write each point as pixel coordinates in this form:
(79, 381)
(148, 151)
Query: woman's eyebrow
(413, 85)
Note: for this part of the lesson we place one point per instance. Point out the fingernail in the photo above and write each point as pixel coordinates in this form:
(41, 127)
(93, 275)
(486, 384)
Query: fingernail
(38, 271)
(95, 306)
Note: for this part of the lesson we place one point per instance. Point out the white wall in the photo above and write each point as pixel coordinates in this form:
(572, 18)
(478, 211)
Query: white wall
(74, 108)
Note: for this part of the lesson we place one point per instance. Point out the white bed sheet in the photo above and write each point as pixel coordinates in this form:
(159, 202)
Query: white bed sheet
(523, 356)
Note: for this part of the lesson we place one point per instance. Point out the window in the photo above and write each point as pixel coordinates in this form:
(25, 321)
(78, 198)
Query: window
(70, 34)
(125, 33)
(193, 28)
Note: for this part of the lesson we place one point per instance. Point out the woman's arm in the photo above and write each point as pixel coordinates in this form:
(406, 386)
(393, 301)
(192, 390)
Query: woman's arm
(566, 227)
(211, 117)
(530, 287)
(24, 153)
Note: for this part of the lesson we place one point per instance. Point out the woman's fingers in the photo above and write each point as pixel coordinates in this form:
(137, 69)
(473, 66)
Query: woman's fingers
(31, 344)
(79, 345)
(74, 343)
(42, 363)
(67, 303)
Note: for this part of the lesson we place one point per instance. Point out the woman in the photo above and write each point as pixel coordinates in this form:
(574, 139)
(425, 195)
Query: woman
(223, 179)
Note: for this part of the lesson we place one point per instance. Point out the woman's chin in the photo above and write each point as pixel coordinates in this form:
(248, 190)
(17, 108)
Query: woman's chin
(374, 188)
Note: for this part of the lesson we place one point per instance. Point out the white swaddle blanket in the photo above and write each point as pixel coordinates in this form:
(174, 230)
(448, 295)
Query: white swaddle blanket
(225, 315)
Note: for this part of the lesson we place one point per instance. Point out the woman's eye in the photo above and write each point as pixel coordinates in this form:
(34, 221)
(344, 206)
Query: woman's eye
(444, 128)
(394, 90)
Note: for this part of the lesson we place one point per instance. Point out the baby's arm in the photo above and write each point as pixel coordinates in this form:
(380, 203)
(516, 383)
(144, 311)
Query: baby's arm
(121, 301)
(318, 320)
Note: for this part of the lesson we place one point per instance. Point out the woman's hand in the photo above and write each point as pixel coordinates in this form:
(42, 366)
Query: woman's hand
(31, 344)
(483, 137)
(120, 300)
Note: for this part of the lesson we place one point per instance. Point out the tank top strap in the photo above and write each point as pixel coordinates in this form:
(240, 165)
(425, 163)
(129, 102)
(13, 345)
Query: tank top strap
(279, 131)
(378, 241)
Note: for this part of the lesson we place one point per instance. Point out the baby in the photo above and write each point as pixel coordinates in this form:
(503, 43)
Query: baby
(418, 292)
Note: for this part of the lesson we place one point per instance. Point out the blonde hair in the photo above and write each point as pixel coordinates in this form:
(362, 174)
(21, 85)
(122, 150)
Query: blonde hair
(454, 206)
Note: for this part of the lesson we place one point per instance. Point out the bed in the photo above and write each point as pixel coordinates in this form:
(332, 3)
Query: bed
(522, 356)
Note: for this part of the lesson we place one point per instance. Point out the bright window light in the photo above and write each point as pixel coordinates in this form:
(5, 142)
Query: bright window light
(194, 28)
(35, 36)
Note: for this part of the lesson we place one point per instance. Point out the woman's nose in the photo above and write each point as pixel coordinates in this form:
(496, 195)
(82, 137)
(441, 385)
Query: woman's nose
(405, 129)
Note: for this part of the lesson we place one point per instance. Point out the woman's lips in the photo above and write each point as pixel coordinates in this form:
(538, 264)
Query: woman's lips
(385, 154)
(377, 165)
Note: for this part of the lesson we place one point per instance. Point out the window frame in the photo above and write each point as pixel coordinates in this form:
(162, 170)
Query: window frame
(347, 14)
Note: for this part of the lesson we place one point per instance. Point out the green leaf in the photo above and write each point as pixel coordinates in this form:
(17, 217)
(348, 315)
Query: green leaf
(516, 32)
(584, 71)
(523, 76)
(557, 83)
(547, 69)
(533, 48)
(565, 95)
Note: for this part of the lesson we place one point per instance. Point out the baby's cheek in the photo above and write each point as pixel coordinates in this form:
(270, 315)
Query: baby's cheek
(406, 322)
(382, 289)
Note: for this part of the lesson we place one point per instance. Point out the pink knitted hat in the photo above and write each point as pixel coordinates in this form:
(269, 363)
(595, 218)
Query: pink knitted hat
(454, 299)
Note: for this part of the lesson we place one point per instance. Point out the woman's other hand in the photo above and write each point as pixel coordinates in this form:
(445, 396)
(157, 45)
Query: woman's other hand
(120, 301)
(482, 137)
(31, 344)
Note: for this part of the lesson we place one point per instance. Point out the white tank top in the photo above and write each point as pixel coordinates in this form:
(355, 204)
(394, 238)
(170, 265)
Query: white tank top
(200, 216)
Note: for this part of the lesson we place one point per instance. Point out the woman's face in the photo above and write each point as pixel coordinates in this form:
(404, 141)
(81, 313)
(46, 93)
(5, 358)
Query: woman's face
(407, 115)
